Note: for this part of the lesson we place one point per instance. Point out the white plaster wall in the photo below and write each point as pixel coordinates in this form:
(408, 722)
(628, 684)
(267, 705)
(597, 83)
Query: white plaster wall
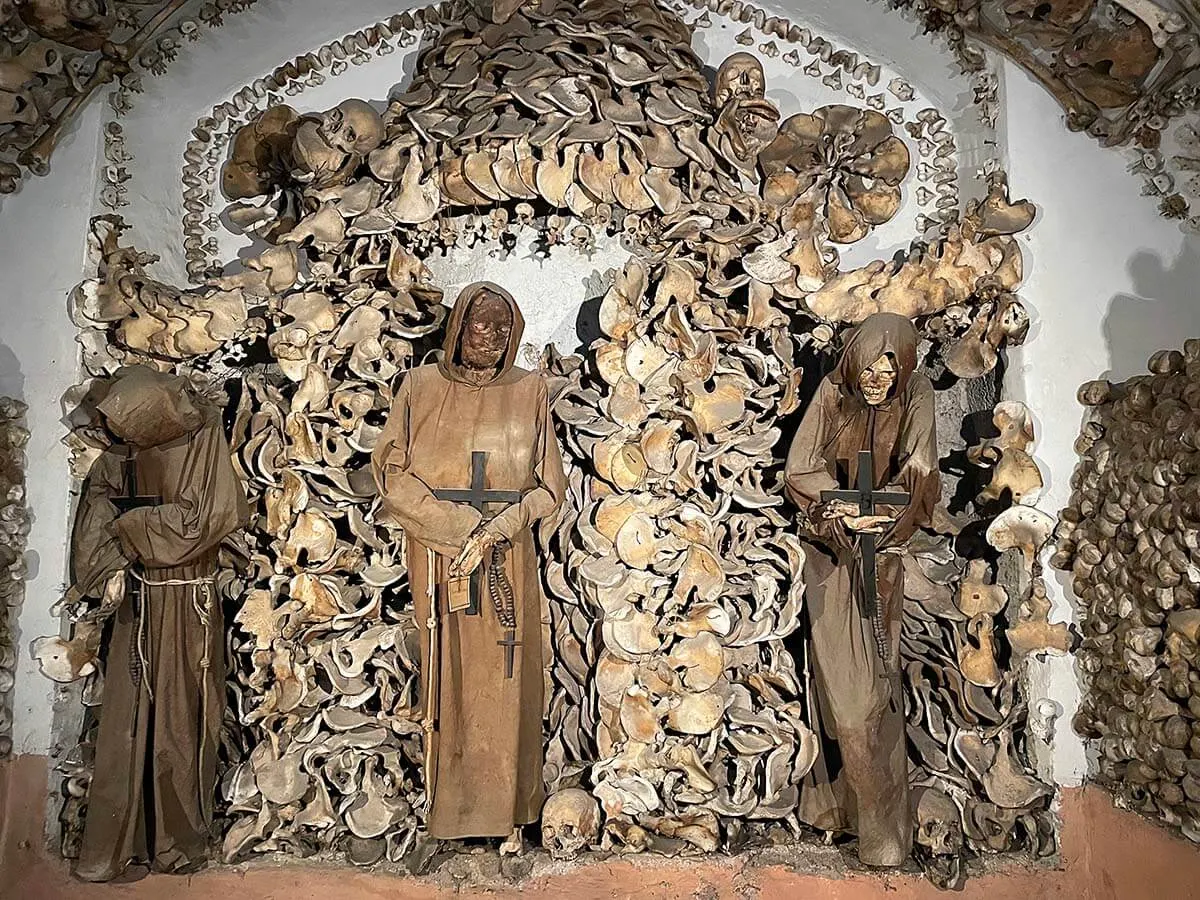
(43, 254)
(1108, 283)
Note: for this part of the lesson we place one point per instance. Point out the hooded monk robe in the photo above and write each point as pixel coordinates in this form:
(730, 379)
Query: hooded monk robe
(487, 749)
(860, 782)
(151, 797)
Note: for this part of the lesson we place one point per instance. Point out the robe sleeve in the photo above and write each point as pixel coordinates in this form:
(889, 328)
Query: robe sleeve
(551, 483)
(917, 460)
(209, 506)
(408, 501)
(807, 472)
(96, 553)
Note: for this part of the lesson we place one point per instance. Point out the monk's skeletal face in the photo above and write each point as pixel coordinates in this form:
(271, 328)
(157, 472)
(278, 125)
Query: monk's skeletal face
(877, 380)
(486, 331)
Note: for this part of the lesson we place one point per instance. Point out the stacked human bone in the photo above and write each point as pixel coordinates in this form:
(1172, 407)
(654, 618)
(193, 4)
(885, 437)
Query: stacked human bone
(676, 705)
(14, 529)
(1129, 539)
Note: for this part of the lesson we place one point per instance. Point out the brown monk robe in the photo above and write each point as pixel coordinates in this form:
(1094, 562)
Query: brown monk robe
(874, 400)
(152, 793)
(486, 755)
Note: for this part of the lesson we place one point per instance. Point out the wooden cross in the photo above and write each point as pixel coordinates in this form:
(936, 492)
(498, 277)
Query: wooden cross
(510, 643)
(477, 496)
(132, 499)
(866, 497)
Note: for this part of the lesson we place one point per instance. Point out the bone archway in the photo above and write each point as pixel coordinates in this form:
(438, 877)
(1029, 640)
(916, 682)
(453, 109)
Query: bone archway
(675, 577)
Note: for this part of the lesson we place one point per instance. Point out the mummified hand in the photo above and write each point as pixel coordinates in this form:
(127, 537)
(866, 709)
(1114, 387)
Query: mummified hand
(867, 524)
(848, 513)
(474, 551)
(837, 509)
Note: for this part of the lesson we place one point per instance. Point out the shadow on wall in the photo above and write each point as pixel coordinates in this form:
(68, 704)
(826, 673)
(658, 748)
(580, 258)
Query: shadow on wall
(1164, 312)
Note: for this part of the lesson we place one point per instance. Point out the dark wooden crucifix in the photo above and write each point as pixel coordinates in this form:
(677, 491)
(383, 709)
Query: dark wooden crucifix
(477, 496)
(132, 499)
(866, 497)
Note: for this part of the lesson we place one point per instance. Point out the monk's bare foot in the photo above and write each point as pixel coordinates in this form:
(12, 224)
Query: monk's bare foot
(514, 844)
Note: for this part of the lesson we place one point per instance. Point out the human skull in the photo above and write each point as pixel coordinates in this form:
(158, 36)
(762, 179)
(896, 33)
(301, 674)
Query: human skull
(570, 822)
(260, 154)
(314, 154)
(740, 75)
(353, 126)
(939, 823)
(634, 230)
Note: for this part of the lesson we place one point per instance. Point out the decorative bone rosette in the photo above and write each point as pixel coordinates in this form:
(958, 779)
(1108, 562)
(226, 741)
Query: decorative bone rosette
(677, 689)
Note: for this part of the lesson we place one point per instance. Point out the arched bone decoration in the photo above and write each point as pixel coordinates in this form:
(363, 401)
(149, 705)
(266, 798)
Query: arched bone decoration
(938, 194)
(676, 683)
(1128, 538)
(1122, 76)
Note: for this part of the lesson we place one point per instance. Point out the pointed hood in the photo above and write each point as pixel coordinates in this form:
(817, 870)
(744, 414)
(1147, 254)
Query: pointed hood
(450, 364)
(878, 334)
(146, 408)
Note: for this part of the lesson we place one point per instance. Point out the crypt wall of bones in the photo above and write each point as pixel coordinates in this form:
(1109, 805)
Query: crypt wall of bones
(668, 417)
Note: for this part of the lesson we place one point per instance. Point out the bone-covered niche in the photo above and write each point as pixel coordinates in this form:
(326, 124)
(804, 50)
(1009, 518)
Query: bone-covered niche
(1128, 538)
(676, 719)
(14, 530)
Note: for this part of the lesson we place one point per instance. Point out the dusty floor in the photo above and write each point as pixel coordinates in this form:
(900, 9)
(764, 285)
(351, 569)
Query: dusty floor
(1107, 854)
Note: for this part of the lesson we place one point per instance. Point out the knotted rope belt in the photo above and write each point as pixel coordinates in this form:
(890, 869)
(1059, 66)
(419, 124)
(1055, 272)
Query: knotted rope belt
(203, 589)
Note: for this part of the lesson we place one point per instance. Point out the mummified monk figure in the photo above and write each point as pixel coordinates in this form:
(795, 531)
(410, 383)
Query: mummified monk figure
(874, 400)
(466, 464)
(157, 506)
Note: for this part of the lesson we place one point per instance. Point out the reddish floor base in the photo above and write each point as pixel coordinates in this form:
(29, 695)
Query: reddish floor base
(1107, 854)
